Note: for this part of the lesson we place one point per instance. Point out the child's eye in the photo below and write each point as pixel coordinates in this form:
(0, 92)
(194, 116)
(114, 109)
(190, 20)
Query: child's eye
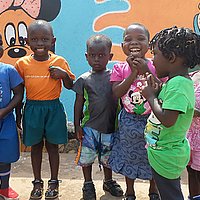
(141, 38)
(33, 39)
(92, 55)
(45, 39)
(127, 39)
(101, 55)
(152, 52)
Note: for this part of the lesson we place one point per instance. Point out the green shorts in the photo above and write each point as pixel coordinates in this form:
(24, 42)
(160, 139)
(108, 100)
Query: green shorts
(44, 120)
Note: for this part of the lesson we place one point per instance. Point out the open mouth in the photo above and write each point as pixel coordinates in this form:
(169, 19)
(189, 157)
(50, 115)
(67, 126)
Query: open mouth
(135, 52)
(40, 49)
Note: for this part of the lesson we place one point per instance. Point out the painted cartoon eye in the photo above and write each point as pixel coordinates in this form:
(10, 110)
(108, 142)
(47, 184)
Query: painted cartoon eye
(22, 33)
(10, 34)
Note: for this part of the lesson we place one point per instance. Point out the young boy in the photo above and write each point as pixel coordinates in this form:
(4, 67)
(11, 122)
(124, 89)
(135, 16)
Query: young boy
(94, 90)
(43, 74)
(10, 82)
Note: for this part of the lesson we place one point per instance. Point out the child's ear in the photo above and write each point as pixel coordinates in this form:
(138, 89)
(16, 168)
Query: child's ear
(86, 55)
(172, 57)
(111, 56)
(53, 41)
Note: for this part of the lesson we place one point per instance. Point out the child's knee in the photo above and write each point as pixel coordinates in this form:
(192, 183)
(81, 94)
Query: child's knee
(51, 147)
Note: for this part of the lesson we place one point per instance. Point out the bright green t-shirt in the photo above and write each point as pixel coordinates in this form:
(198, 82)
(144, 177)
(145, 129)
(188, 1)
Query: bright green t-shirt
(168, 148)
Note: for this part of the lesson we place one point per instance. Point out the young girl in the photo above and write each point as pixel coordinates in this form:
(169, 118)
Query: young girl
(129, 155)
(193, 136)
(10, 83)
(44, 119)
(175, 50)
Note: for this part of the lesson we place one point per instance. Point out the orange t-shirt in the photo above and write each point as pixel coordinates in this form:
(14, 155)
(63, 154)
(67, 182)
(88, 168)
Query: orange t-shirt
(38, 83)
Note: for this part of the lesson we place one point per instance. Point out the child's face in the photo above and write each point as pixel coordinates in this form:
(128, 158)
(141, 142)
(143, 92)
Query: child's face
(160, 62)
(98, 55)
(1, 46)
(40, 39)
(135, 41)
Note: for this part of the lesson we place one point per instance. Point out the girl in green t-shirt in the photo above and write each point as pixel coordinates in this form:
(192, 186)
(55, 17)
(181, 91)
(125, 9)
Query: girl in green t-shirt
(175, 50)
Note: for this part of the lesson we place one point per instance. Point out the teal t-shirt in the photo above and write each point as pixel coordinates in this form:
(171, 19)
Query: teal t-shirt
(168, 148)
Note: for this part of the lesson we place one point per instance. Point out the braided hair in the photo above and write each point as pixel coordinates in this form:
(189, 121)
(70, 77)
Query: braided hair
(183, 42)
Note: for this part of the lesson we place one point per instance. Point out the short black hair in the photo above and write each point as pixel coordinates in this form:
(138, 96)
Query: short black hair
(183, 42)
(141, 25)
(98, 38)
(40, 23)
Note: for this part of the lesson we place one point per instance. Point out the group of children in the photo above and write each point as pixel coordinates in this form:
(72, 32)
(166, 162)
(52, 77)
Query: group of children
(133, 118)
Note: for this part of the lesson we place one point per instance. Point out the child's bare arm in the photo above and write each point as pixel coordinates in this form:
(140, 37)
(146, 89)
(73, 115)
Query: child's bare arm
(19, 106)
(78, 111)
(17, 98)
(166, 117)
(121, 88)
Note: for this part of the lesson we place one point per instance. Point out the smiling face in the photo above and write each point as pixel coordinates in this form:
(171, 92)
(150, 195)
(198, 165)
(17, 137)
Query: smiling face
(40, 39)
(136, 41)
(98, 54)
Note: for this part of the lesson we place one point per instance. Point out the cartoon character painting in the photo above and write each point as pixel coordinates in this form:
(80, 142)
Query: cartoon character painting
(15, 16)
(197, 22)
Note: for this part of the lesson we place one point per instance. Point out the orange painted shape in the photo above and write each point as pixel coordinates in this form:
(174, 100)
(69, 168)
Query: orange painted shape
(13, 17)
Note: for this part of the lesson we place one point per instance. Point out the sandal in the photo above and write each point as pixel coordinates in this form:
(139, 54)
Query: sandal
(52, 190)
(154, 196)
(89, 192)
(113, 188)
(37, 191)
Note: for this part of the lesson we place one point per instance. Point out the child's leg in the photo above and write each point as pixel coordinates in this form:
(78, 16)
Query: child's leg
(130, 187)
(107, 173)
(4, 175)
(87, 173)
(193, 182)
(89, 192)
(36, 160)
(54, 159)
(153, 190)
(53, 183)
(168, 188)
(110, 185)
(5, 191)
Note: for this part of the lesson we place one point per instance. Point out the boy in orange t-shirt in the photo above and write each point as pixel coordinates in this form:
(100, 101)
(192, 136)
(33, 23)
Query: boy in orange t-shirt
(44, 119)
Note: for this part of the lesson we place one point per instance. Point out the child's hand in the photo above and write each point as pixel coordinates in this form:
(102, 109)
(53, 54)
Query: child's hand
(19, 121)
(141, 65)
(132, 63)
(79, 133)
(57, 72)
(151, 88)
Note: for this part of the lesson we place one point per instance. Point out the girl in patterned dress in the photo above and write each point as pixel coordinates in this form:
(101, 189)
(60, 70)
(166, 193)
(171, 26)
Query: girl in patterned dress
(129, 155)
(193, 136)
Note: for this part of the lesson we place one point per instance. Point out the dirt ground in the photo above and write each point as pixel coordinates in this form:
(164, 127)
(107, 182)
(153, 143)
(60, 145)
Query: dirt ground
(72, 179)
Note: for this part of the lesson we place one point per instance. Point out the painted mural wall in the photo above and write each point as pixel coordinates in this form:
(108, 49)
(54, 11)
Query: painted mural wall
(74, 21)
